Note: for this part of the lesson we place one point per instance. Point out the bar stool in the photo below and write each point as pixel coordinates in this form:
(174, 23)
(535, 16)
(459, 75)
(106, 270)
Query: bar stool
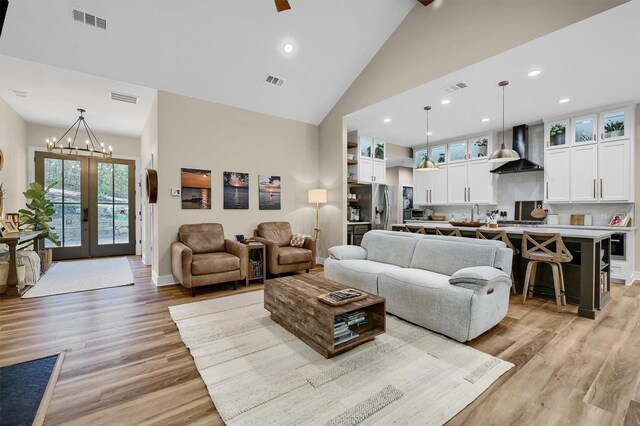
(549, 248)
(448, 231)
(500, 235)
(416, 229)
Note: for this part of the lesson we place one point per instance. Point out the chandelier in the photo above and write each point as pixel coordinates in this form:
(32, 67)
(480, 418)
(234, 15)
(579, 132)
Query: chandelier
(92, 146)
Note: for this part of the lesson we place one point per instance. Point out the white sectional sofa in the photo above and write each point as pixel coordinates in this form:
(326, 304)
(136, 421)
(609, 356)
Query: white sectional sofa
(455, 286)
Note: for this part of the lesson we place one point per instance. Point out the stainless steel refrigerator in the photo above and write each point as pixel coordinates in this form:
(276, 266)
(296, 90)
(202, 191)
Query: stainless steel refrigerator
(376, 203)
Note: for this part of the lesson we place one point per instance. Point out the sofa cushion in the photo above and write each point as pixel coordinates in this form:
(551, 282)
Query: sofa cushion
(386, 248)
(360, 274)
(297, 240)
(479, 276)
(213, 263)
(348, 252)
(418, 277)
(446, 257)
(203, 237)
(289, 255)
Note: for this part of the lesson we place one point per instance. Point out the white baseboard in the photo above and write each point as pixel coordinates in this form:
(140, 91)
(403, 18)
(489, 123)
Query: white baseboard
(145, 261)
(320, 260)
(162, 280)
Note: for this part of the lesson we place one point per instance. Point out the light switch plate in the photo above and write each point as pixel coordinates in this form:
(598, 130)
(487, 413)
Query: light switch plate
(175, 192)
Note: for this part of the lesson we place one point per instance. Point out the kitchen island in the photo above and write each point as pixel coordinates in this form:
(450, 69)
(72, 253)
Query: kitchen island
(587, 276)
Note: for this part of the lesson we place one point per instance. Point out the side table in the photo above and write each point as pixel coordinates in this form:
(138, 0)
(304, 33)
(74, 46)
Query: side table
(256, 268)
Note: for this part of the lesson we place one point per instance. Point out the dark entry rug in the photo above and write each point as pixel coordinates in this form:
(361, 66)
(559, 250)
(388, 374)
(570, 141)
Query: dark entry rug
(21, 389)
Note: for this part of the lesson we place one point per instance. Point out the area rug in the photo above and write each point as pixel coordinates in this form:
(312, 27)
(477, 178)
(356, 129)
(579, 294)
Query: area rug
(258, 373)
(83, 275)
(22, 387)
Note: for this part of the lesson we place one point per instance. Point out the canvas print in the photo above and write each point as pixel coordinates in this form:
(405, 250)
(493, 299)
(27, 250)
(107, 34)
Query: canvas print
(269, 192)
(407, 197)
(196, 188)
(236, 190)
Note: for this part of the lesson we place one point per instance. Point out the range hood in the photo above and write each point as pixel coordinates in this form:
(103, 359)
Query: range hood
(521, 146)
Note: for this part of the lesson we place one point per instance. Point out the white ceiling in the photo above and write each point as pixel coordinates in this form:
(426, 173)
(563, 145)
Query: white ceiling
(216, 50)
(595, 62)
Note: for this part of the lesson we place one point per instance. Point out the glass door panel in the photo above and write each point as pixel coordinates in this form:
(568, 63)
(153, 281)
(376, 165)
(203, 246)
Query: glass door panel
(613, 125)
(478, 148)
(556, 134)
(439, 154)
(366, 145)
(584, 130)
(457, 151)
(69, 195)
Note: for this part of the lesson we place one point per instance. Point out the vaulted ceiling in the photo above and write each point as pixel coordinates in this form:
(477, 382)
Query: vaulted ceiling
(215, 50)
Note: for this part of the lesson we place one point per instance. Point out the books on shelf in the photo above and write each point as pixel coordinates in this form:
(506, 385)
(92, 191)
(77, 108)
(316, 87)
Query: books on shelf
(341, 331)
(255, 266)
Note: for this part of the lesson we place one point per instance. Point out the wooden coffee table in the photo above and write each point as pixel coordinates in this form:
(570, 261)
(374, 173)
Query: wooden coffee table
(293, 304)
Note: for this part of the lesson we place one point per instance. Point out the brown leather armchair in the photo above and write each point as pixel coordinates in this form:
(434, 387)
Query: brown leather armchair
(281, 256)
(202, 257)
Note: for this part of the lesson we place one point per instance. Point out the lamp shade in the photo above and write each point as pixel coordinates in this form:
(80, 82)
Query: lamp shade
(503, 155)
(317, 196)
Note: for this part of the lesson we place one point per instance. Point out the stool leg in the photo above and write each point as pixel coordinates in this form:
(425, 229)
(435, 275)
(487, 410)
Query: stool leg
(556, 285)
(564, 296)
(525, 284)
(532, 284)
(513, 284)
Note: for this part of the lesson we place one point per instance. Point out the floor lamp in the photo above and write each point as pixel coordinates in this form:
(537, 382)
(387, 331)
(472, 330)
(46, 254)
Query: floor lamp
(317, 197)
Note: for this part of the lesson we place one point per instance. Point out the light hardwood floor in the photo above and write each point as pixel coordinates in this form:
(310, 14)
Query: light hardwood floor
(125, 362)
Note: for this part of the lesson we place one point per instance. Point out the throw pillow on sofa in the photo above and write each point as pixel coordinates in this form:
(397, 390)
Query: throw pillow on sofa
(297, 240)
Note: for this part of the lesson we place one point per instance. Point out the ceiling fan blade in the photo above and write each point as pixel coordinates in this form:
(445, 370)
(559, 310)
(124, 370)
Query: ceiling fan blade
(426, 2)
(282, 5)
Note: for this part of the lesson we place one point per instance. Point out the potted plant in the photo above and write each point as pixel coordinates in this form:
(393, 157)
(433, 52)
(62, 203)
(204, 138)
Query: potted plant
(613, 129)
(379, 152)
(557, 133)
(36, 217)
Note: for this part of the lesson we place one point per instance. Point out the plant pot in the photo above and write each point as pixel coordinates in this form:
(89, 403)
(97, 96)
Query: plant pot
(557, 139)
(614, 134)
(46, 259)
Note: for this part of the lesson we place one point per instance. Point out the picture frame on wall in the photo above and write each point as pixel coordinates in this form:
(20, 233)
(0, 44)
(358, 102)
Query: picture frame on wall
(269, 192)
(235, 190)
(196, 189)
(407, 197)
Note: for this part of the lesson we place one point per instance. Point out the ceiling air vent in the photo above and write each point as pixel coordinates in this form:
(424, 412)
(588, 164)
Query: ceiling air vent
(89, 19)
(459, 85)
(19, 93)
(124, 98)
(274, 80)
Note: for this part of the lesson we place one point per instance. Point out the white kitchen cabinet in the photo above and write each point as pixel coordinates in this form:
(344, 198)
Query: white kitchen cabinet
(584, 130)
(378, 171)
(371, 158)
(438, 186)
(613, 125)
(480, 182)
(584, 173)
(458, 183)
(420, 187)
(371, 171)
(614, 171)
(557, 174)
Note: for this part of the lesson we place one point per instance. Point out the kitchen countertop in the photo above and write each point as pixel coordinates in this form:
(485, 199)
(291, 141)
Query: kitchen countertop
(358, 223)
(572, 232)
(602, 227)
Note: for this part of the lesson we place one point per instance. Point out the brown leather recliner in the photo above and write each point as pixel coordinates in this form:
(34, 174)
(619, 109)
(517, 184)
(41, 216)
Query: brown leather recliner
(202, 257)
(281, 256)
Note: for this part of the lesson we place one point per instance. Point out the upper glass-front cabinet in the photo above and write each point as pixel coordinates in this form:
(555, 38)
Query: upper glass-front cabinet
(366, 143)
(612, 125)
(378, 151)
(478, 148)
(556, 134)
(457, 151)
(418, 157)
(584, 130)
(439, 154)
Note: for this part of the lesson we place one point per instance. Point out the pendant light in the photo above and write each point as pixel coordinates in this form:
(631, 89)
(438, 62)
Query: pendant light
(426, 165)
(69, 146)
(503, 154)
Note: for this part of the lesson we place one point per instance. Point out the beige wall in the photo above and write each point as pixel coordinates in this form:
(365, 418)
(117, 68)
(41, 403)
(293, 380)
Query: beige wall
(198, 134)
(430, 43)
(127, 146)
(149, 156)
(13, 142)
(637, 186)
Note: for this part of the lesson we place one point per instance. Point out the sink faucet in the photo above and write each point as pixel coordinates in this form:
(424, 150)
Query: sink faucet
(477, 207)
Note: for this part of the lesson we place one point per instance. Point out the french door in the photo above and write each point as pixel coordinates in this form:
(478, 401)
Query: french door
(94, 199)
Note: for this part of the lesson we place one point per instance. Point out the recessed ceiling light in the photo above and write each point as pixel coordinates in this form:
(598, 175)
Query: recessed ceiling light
(387, 120)
(429, 133)
(534, 73)
(564, 101)
(484, 120)
(288, 48)
(445, 101)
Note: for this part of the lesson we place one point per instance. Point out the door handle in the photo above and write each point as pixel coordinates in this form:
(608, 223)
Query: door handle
(469, 190)
(85, 214)
(601, 191)
(465, 195)
(594, 188)
(430, 196)
(547, 190)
